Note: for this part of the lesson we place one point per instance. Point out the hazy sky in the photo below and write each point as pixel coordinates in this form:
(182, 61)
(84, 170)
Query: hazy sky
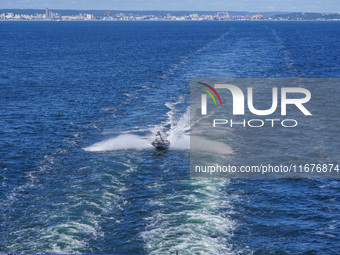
(203, 5)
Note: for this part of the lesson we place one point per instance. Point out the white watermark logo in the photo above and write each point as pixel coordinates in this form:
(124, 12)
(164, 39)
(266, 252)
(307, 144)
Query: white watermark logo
(238, 105)
(239, 100)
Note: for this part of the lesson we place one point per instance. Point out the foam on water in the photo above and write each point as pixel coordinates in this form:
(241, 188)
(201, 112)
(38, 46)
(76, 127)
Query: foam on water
(121, 142)
(179, 130)
(178, 134)
(67, 236)
(205, 145)
(101, 193)
(197, 224)
(73, 220)
(204, 229)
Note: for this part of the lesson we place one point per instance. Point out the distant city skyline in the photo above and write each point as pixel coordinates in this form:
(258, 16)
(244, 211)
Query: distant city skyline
(332, 6)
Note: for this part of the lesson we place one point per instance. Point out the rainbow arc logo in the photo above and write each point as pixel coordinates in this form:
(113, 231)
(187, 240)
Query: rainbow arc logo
(209, 93)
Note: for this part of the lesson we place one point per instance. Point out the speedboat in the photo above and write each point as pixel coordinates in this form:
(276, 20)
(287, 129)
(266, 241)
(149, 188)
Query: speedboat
(160, 143)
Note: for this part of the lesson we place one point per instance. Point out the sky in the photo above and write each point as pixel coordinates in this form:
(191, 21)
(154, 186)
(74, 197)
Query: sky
(332, 6)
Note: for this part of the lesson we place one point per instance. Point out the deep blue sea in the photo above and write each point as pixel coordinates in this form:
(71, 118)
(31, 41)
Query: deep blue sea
(80, 104)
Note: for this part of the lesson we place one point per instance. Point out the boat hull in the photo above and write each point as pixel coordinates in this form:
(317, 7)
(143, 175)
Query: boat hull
(161, 146)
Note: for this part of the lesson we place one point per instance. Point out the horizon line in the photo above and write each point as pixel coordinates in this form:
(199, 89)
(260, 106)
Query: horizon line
(162, 10)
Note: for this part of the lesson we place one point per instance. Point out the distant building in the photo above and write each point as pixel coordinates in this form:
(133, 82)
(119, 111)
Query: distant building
(9, 15)
(89, 16)
(48, 14)
(257, 16)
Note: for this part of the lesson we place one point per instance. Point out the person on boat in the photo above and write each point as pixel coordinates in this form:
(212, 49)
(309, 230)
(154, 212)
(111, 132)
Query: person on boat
(160, 137)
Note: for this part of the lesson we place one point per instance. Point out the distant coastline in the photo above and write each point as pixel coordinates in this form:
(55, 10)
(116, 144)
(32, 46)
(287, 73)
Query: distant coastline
(116, 15)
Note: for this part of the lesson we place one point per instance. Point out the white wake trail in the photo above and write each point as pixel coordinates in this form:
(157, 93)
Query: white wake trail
(121, 142)
(178, 133)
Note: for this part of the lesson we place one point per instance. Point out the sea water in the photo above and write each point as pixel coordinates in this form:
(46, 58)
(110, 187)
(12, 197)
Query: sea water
(81, 103)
